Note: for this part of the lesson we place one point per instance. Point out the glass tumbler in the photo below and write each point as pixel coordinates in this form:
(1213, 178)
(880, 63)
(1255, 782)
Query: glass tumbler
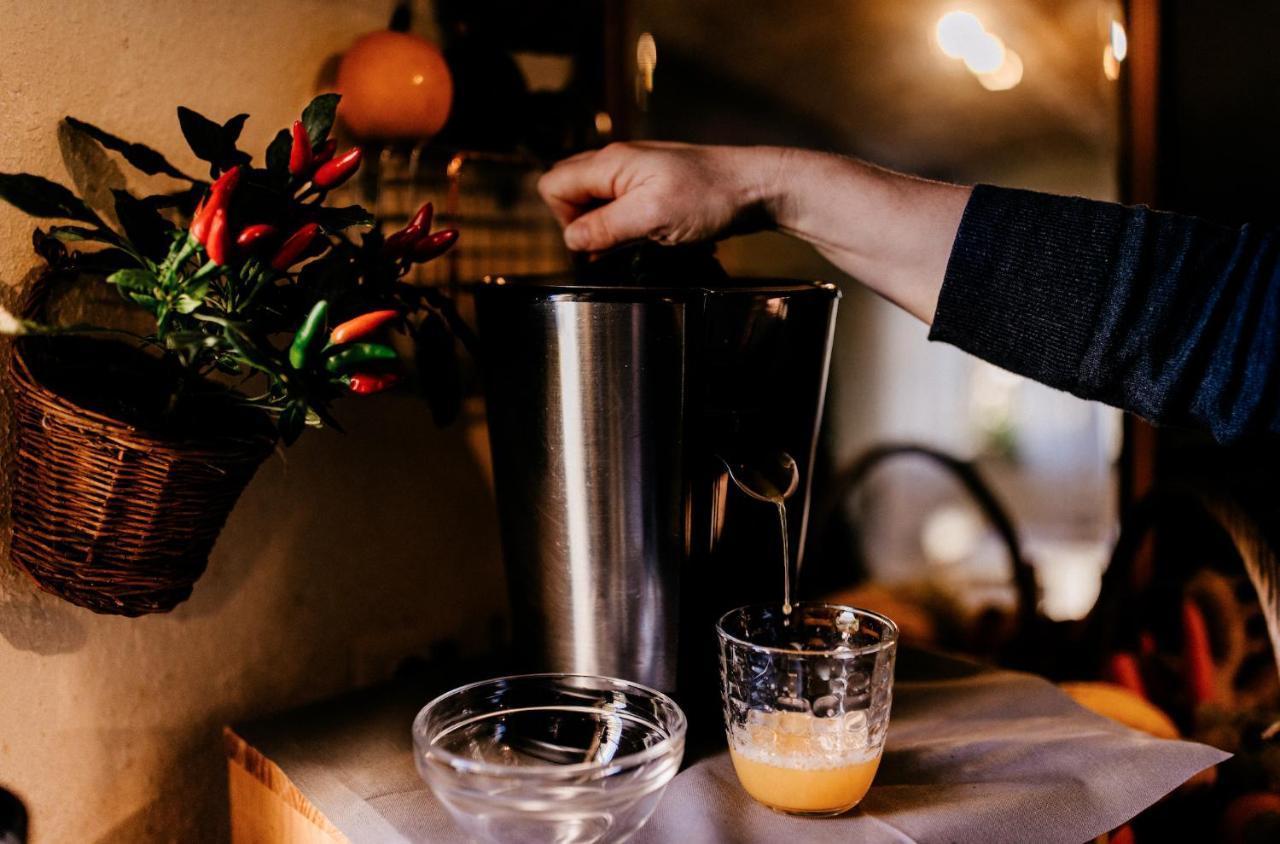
(806, 702)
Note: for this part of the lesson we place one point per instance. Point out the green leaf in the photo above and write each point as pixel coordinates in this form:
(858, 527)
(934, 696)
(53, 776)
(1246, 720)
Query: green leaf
(187, 304)
(322, 414)
(40, 197)
(211, 142)
(247, 350)
(317, 117)
(342, 217)
(142, 157)
(278, 153)
(49, 248)
(292, 420)
(148, 302)
(227, 366)
(183, 200)
(143, 225)
(333, 276)
(134, 281)
(75, 234)
(199, 290)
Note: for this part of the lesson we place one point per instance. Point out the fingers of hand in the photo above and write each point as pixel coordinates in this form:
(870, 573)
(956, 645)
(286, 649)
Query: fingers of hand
(630, 217)
(574, 185)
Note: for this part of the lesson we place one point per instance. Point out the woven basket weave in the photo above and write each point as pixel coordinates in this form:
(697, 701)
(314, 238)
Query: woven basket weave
(108, 516)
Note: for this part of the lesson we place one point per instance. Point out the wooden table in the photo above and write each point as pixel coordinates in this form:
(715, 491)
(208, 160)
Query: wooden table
(973, 755)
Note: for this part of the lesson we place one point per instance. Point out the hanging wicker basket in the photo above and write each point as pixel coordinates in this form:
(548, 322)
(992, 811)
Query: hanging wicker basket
(106, 514)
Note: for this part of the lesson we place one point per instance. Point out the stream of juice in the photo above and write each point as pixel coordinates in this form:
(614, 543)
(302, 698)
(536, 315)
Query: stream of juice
(786, 556)
(788, 762)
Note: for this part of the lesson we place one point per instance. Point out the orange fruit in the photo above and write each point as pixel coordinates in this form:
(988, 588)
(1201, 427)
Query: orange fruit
(394, 86)
(1120, 704)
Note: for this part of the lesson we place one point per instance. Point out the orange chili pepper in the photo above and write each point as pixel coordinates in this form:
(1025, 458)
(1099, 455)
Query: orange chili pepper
(361, 326)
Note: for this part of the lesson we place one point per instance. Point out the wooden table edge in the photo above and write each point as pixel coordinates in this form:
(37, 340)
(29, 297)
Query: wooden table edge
(266, 807)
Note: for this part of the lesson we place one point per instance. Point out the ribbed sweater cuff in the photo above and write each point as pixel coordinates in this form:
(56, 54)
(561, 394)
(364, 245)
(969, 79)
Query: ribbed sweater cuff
(1026, 279)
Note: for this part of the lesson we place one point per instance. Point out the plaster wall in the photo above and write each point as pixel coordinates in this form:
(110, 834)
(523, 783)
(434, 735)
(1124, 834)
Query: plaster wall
(344, 555)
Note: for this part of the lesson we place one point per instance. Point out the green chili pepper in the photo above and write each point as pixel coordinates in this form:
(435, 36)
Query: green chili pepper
(354, 354)
(308, 336)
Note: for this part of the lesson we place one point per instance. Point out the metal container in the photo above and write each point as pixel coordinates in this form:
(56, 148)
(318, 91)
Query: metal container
(611, 410)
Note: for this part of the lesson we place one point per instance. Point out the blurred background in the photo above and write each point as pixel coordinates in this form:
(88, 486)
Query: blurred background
(983, 511)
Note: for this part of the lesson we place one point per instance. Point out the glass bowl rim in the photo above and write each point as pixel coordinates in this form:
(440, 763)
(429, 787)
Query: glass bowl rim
(439, 755)
(886, 642)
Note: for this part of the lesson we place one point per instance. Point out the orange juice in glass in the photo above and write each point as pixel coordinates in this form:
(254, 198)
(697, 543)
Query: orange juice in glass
(806, 702)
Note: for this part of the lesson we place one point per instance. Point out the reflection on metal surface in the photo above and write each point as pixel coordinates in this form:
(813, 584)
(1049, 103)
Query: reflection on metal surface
(576, 513)
(608, 406)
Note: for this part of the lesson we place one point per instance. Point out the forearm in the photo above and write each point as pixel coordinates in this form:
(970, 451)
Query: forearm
(891, 232)
(1172, 317)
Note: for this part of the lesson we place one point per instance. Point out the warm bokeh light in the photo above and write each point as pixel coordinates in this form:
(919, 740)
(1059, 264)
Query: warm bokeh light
(958, 32)
(1007, 76)
(962, 36)
(950, 535)
(646, 59)
(1119, 41)
(1110, 64)
(604, 124)
(986, 55)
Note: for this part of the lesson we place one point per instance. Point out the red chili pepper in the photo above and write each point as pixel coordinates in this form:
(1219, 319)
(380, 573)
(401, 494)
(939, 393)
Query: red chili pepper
(423, 218)
(300, 152)
(324, 152)
(199, 229)
(224, 185)
(361, 326)
(402, 241)
(219, 197)
(367, 383)
(434, 245)
(253, 237)
(218, 242)
(1122, 669)
(291, 250)
(1197, 655)
(336, 171)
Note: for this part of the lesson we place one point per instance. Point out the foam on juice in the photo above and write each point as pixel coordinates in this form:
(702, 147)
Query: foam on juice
(797, 762)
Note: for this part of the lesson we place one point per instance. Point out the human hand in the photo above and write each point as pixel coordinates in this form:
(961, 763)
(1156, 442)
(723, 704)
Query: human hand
(671, 193)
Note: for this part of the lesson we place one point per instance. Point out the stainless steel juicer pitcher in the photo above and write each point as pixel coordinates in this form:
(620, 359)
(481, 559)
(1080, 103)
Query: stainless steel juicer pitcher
(612, 409)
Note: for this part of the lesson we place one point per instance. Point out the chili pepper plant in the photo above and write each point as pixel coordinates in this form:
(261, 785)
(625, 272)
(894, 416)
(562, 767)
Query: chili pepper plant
(250, 277)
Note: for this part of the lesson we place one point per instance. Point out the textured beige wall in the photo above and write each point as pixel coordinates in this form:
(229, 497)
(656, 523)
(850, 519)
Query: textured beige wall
(343, 556)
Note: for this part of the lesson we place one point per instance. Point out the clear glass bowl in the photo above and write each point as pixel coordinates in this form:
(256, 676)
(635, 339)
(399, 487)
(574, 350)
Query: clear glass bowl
(565, 758)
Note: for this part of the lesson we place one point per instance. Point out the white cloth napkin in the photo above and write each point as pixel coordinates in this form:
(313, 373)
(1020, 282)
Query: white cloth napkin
(973, 755)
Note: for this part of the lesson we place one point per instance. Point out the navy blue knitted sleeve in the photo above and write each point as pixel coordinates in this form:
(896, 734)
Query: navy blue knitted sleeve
(1171, 317)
